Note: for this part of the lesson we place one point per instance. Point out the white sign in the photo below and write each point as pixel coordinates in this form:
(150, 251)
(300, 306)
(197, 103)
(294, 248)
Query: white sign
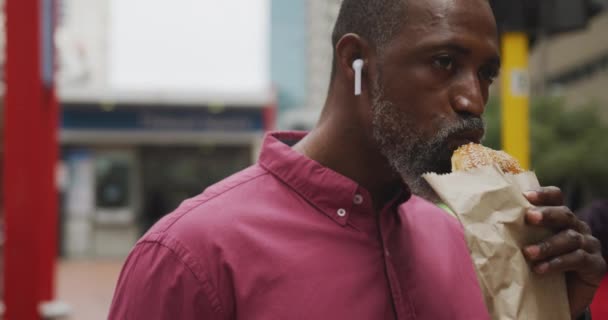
(520, 83)
(185, 45)
(164, 50)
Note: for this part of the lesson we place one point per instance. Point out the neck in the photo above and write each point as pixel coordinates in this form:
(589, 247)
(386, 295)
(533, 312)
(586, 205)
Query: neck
(340, 143)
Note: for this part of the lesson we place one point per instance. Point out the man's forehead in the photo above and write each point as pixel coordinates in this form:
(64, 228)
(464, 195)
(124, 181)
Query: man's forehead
(429, 11)
(444, 17)
(437, 12)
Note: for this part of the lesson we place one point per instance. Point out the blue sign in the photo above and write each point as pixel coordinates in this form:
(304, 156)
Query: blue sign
(162, 119)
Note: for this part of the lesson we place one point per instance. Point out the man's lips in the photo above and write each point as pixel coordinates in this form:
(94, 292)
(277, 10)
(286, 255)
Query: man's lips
(465, 137)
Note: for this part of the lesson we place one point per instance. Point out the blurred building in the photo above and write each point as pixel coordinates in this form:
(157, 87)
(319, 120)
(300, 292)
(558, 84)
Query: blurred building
(574, 65)
(156, 106)
(320, 17)
(288, 54)
(130, 155)
(145, 126)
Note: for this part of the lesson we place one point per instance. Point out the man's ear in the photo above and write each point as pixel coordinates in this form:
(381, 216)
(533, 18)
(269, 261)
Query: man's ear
(350, 48)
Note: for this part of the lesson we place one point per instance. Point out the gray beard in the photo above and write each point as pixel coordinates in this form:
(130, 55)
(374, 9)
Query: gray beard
(409, 152)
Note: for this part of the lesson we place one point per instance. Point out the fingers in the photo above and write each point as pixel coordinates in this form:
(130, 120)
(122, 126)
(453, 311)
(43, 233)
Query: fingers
(546, 196)
(563, 243)
(572, 249)
(573, 261)
(556, 218)
(566, 251)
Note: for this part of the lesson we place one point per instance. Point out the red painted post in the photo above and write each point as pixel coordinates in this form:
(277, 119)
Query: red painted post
(31, 152)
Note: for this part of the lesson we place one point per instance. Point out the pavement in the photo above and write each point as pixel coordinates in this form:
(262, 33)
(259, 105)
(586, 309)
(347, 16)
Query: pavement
(87, 287)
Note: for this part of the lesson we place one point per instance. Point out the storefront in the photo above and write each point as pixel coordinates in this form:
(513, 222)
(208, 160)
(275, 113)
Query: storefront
(125, 166)
(154, 110)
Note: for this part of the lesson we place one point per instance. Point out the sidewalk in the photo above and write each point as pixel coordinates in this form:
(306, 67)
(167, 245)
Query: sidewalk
(87, 287)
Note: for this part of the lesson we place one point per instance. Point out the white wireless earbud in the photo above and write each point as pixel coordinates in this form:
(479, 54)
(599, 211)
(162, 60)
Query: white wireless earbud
(358, 67)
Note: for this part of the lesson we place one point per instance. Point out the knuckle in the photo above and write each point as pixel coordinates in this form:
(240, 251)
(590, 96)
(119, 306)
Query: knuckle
(556, 262)
(584, 227)
(571, 234)
(572, 219)
(575, 237)
(550, 215)
(545, 248)
(593, 242)
(581, 256)
(553, 194)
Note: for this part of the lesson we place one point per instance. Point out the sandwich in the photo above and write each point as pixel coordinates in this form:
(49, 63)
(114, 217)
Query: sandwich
(472, 155)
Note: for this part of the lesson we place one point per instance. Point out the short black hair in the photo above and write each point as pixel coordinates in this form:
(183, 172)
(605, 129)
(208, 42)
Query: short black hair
(377, 21)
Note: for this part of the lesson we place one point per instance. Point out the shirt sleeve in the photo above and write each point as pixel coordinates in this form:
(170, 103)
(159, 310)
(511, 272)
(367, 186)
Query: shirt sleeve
(156, 283)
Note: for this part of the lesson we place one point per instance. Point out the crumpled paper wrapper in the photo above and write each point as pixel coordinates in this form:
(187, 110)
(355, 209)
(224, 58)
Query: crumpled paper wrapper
(491, 207)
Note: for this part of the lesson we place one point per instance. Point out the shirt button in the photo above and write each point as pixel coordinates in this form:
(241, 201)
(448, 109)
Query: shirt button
(358, 199)
(342, 213)
(387, 253)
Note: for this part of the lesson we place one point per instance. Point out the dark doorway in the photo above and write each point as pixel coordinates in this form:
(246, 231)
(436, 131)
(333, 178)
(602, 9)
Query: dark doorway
(172, 174)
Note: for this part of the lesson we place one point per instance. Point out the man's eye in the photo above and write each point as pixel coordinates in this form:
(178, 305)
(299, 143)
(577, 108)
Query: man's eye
(444, 62)
(489, 74)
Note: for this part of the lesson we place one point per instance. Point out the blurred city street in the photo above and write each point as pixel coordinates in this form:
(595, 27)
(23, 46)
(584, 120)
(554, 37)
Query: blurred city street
(113, 112)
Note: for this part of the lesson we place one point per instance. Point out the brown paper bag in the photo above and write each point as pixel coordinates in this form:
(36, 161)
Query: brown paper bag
(491, 207)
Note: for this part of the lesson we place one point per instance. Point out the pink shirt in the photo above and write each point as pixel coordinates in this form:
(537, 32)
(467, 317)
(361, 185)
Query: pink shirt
(290, 239)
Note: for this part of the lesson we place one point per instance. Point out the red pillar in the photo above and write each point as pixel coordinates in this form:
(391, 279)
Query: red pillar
(31, 152)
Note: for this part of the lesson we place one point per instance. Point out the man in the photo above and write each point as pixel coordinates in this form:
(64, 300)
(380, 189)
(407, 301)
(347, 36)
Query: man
(323, 227)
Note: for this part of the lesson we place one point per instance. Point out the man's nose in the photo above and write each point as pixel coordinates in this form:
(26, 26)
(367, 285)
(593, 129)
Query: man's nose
(467, 95)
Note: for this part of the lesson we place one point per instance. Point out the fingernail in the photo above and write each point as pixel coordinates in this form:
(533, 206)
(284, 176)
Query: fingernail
(533, 251)
(542, 268)
(535, 216)
(531, 195)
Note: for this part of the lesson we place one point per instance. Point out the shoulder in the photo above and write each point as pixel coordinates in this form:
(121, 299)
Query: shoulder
(192, 247)
(206, 230)
(215, 203)
(161, 280)
(207, 218)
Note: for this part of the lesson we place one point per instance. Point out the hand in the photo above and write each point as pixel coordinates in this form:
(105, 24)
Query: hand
(572, 249)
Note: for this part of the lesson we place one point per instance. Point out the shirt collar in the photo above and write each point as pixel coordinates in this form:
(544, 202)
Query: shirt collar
(330, 192)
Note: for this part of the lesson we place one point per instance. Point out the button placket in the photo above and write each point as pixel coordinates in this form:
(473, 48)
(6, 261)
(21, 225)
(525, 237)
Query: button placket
(400, 299)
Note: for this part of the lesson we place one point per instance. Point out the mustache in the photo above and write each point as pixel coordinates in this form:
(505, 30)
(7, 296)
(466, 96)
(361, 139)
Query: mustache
(466, 124)
(436, 153)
